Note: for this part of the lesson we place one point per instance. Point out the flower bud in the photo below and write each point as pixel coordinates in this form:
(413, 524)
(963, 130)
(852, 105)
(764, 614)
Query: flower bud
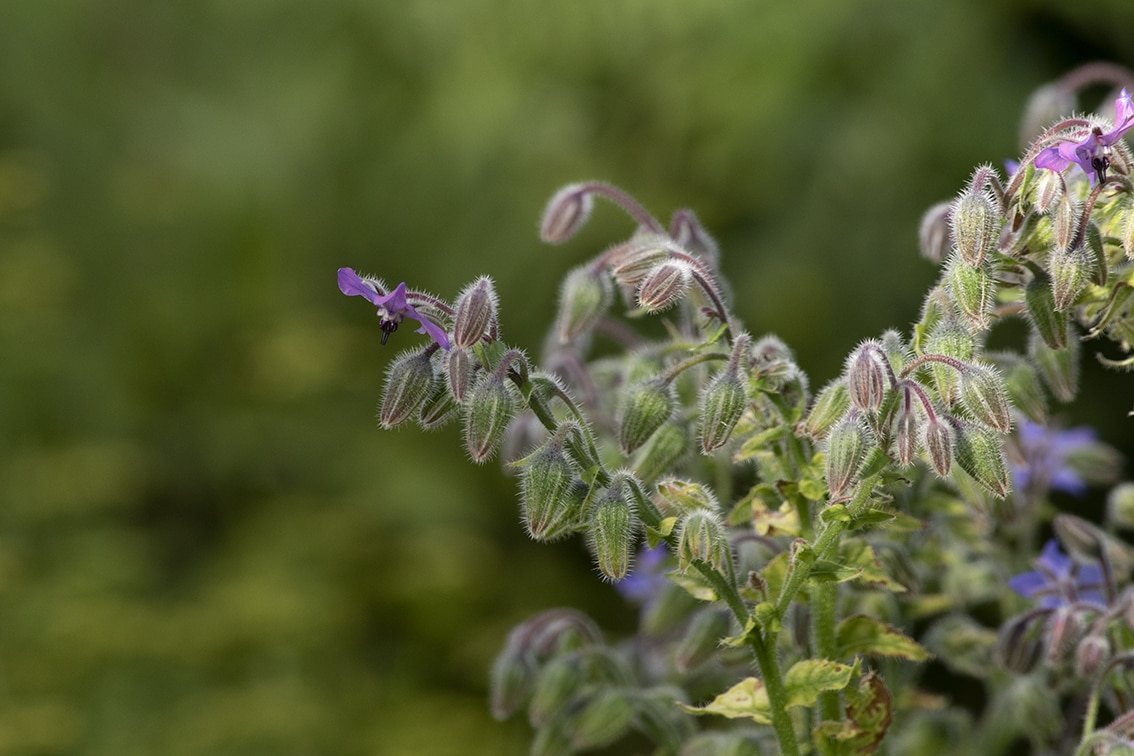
(438, 408)
(974, 220)
(639, 256)
(584, 298)
(1025, 390)
(984, 396)
(1069, 270)
(950, 339)
(907, 426)
(658, 456)
(558, 682)
(1050, 189)
(664, 285)
(475, 313)
(935, 235)
(722, 403)
(459, 369)
(688, 232)
(646, 405)
(830, 405)
(510, 682)
(1039, 297)
(1064, 629)
(702, 639)
(845, 448)
(611, 533)
(1046, 105)
(1017, 647)
(866, 376)
(1091, 653)
(489, 407)
(1059, 368)
(409, 382)
(566, 213)
(978, 451)
(939, 445)
(1064, 221)
(702, 538)
(1120, 506)
(972, 290)
(603, 719)
(550, 501)
(1126, 230)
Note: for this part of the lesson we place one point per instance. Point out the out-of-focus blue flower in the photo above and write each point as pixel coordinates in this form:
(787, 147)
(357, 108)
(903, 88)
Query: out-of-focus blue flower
(1092, 153)
(1043, 461)
(1058, 579)
(393, 307)
(648, 578)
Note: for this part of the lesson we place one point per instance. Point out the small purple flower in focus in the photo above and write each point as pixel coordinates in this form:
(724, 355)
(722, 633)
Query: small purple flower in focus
(1059, 580)
(1092, 153)
(1042, 462)
(393, 307)
(648, 578)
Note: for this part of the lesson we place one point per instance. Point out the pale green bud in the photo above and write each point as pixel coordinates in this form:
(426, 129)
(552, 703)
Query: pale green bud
(973, 292)
(1064, 221)
(702, 639)
(511, 680)
(1059, 368)
(548, 491)
(1126, 230)
(646, 405)
(557, 684)
(845, 448)
(1069, 270)
(702, 538)
(950, 339)
(606, 717)
(975, 220)
(722, 403)
(664, 449)
(409, 382)
(662, 722)
(584, 298)
(935, 236)
(1022, 381)
(1120, 506)
(489, 407)
(983, 394)
(939, 446)
(829, 406)
(459, 370)
(475, 313)
(907, 427)
(664, 285)
(1017, 644)
(1050, 189)
(438, 409)
(1064, 628)
(1039, 297)
(978, 451)
(566, 213)
(611, 532)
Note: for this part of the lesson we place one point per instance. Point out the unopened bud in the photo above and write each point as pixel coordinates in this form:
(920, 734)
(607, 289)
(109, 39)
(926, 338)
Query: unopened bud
(972, 290)
(1091, 653)
(558, 682)
(983, 394)
(1025, 390)
(606, 717)
(702, 538)
(845, 448)
(646, 405)
(475, 313)
(510, 681)
(935, 237)
(611, 533)
(635, 259)
(907, 425)
(939, 446)
(702, 639)
(1064, 221)
(658, 456)
(548, 493)
(978, 451)
(1126, 230)
(1069, 270)
(866, 376)
(722, 403)
(1039, 296)
(489, 407)
(584, 298)
(975, 220)
(1050, 189)
(1059, 368)
(1120, 506)
(459, 369)
(1046, 105)
(1017, 646)
(438, 408)
(681, 496)
(409, 382)
(950, 339)
(566, 213)
(688, 232)
(664, 285)
(1064, 628)
(830, 405)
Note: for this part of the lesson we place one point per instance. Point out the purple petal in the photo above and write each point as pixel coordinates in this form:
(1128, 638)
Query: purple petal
(1123, 112)
(1065, 442)
(429, 327)
(353, 286)
(395, 302)
(1051, 159)
(1053, 560)
(1027, 584)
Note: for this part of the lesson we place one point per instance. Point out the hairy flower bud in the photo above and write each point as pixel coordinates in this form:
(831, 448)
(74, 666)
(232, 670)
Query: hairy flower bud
(438, 408)
(607, 716)
(1050, 189)
(1069, 270)
(866, 376)
(489, 407)
(664, 285)
(409, 382)
(939, 446)
(1064, 221)
(1059, 368)
(646, 405)
(973, 291)
(566, 213)
(702, 538)
(1049, 321)
(950, 339)
(907, 426)
(549, 494)
(845, 448)
(702, 639)
(558, 682)
(611, 533)
(978, 451)
(1126, 230)
(830, 405)
(722, 403)
(668, 445)
(475, 313)
(983, 394)
(510, 681)
(584, 298)
(1064, 628)
(1120, 506)
(974, 220)
(1091, 653)
(641, 255)
(935, 235)
(1025, 390)
(1017, 647)
(459, 370)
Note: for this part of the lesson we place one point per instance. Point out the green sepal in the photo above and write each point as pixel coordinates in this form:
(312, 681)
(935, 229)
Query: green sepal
(753, 445)
(654, 536)
(694, 584)
(861, 635)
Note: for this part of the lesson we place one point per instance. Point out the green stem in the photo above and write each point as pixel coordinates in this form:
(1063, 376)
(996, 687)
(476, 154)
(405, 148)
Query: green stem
(823, 616)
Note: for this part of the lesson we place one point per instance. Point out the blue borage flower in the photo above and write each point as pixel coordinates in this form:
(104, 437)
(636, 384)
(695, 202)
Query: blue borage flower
(1045, 453)
(393, 307)
(648, 578)
(1059, 580)
(1092, 153)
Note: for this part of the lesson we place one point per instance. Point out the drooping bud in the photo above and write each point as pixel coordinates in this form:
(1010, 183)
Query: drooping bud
(983, 394)
(679, 496)
(548, 491)
(830, 405)
(558, 682)
(606, 717)
(664, 449)
(646, 405)
(702, 639)
(907, 426)
(489, 406)
(640, 256)
(475, 313)
(409, 382)
(459, 369)
(722, 403)
(866, 376)
(935, 235)
(584, 298)
(974, 220)
(1069, 270)
(1039, 296)
(1017, 646)
(973, 291)
(1064, 628)
(939, 446)
(664, 285)
(566, 213)
(1050, 189)
(611, 532)
(511, 679)
(688, 232)
(1025, 390)
(845, 448)
(1059, 368)
(1064, 221)
(950, 339)
(438, 408)
(1091, 653)
(978, 451)
(702, 538)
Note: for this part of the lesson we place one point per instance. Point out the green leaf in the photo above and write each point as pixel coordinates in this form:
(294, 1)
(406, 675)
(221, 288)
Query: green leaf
(775, 574)
(835, 513)
(654, 536)
(747, 699)
(857, 553)
(758, 443)
(826, 571)
(694, 584)
(810, 677)
(861, 635)
(736, 641)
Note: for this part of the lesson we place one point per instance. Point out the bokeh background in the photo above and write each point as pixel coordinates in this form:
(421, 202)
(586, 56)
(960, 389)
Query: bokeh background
(206, 544)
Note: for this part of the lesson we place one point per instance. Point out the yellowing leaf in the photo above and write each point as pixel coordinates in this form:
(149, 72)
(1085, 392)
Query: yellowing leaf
(747, 699)
(861, 635)
(810, 677)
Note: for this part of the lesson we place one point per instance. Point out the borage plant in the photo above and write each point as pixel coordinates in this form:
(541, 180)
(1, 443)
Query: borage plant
(818, 572)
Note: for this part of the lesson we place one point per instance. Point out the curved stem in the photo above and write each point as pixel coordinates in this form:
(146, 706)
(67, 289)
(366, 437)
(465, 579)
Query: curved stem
(630, 205)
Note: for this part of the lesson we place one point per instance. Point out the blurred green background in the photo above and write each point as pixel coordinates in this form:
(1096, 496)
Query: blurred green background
(206, 544)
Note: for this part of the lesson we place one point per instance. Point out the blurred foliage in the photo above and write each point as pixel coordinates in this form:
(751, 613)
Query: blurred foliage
(206, 546)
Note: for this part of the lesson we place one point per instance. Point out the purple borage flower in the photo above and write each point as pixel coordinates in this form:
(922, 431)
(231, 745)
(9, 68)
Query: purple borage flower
(1044, 453)
(648, 578)
(1059, 580)
(1092, 153)
(392, 307)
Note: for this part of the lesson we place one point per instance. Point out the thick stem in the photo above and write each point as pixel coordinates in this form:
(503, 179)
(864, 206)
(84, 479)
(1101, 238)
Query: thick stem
(823, 618)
